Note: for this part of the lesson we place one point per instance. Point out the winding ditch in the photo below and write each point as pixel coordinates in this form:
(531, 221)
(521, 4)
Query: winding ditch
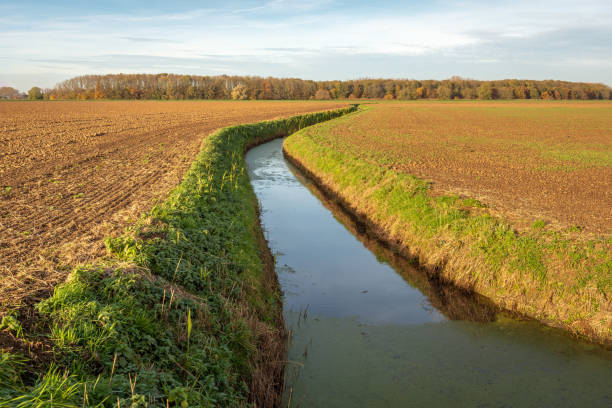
(367, 328)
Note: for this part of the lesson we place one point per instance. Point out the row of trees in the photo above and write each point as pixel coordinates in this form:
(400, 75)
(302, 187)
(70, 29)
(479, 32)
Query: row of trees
(7, 92)
(171, 86)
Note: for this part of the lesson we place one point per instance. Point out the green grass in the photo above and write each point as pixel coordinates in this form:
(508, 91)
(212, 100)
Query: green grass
(167, 320)
(587, 157)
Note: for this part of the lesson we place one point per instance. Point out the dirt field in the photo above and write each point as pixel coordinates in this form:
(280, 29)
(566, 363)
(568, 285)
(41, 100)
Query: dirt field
(72, 173)
(528, 160)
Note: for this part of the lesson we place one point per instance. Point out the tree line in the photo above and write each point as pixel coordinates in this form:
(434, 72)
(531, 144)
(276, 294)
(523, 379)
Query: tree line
(7, 92)
(177, 87)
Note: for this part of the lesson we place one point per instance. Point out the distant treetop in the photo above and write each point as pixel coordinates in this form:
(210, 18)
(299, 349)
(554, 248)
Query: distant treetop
(35, 93)
(6, 92)
(171, 86)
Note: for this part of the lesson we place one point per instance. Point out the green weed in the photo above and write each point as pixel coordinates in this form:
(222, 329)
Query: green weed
(539, 224)
(11, 323)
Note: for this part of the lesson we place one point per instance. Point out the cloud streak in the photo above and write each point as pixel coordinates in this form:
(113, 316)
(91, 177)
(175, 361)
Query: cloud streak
(145, 39)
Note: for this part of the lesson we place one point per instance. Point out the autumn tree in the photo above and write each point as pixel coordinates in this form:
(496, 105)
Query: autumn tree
(486, 91)
(389, 87)
(266, 89)
(171, 86)
(405, 93)
(505, 92)
(374, 90)
(420, 92)
(445, 92)
(469, 93)
(322, 94)
(547, 95)
(357, 91)
(343, 89)
(522, 92)
(240, 92)
(7, 92)
(35, 93)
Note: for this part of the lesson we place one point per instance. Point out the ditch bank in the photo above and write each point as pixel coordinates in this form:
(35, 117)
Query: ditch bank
(458, 242)
(185, 312)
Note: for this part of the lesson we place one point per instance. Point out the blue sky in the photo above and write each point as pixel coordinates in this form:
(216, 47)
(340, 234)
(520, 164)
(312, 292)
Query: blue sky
(44, 42)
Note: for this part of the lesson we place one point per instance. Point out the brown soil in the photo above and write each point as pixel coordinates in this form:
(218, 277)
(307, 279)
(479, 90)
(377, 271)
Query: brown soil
(529, 160)
(72, 173)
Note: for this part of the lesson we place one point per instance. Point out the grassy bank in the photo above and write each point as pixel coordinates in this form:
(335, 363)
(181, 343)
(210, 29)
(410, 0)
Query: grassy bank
(186, 310)
(558, 277)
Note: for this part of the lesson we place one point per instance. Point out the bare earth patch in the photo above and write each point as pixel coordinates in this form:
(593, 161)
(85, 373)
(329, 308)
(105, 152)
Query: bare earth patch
(528, 160)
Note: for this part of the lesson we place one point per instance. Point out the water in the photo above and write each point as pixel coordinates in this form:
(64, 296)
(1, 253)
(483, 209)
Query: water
(369, 330)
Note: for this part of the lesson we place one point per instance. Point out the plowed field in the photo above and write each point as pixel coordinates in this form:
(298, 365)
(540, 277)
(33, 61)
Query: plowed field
(527, 160)
(72, 173)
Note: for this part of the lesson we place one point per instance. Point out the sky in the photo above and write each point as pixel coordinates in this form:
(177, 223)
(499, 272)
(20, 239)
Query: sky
(45, 42)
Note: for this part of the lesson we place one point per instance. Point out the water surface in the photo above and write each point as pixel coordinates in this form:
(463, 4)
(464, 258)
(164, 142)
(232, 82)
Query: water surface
(368, 329)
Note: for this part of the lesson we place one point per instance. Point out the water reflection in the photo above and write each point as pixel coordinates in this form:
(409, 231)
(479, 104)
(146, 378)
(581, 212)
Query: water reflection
(454, 303)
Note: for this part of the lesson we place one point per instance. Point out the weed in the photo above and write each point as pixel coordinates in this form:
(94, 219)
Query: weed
(539, 224)
(189, 326)
(11, 323)
(54, 390)
(11, 366)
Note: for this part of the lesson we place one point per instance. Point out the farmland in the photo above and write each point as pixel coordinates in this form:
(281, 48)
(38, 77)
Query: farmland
(184, 310)
(73, 173)
(530, 161)
(511, 200)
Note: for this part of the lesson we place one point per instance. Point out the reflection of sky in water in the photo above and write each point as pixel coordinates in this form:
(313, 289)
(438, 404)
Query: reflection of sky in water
(330, 271)
(370, 339)
(270, 174)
